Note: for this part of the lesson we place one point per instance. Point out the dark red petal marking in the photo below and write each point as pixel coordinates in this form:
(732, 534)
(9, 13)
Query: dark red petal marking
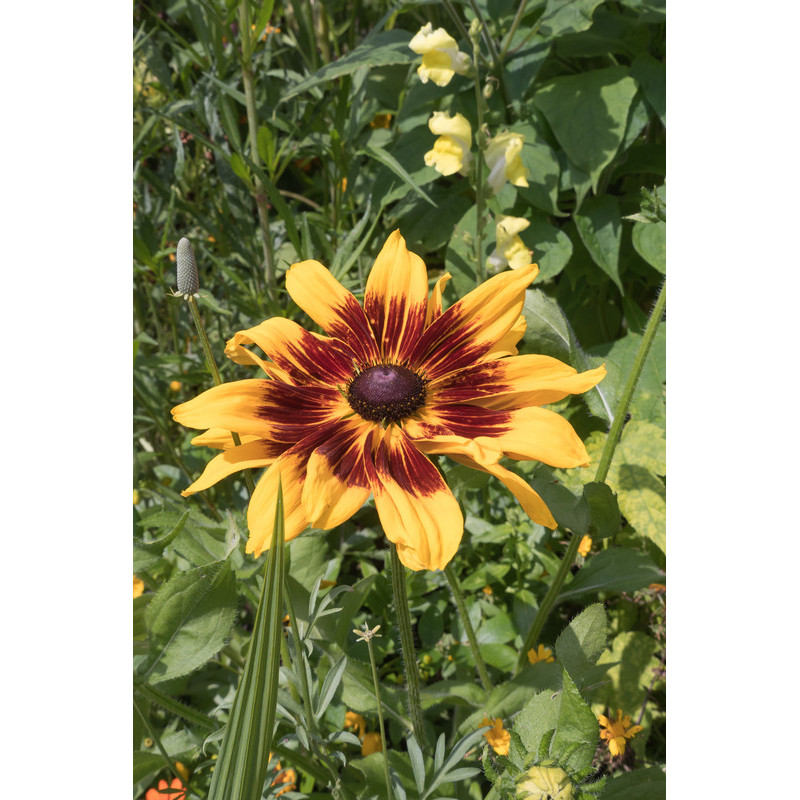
(472, 421)
(471, 383)
(401, 463)
(397, 323)
(352, 327)
(293, 412)
(311, 359)
(339, 446)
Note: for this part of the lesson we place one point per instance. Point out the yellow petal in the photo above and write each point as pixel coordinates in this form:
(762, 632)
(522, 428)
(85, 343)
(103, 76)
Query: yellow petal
(239, 354)
(435, 300)
(220, 439)
(252, 455)
(396, 298)
(457, 126)
(427, 39)
(332, 307)
(447, 156)
(417, 509)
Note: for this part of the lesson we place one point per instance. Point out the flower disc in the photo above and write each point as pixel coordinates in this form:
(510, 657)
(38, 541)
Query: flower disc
(386, 392)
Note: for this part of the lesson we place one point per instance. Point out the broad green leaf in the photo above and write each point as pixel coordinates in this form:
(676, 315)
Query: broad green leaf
(551, 246)
(603, 508)
(618, 569)
(588, 114)
(451, 692)
(544, 171)
(570, 512)
(500, 656)
(158, 545)
(496, 630)
(241, 768)
(189, 619)
(626, 683)
(599, 225)
(582, 642)
(641, 784)
(567, 713)
(650, 242)
(567, 16)
(145, 764)
(378, 49)
(460, 254)
(523, 64)
(651, 75)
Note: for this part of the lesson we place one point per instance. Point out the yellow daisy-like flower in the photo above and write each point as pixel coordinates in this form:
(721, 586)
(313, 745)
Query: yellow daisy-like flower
(585, 546)
(356, 723)
(498, 737)
(371, 743)
(138, 587)
(451, 151)
(541, 653)
(504, 161)
(357, 411)
(545, 783)
(616, 731)
(510, 250)
(441, 58)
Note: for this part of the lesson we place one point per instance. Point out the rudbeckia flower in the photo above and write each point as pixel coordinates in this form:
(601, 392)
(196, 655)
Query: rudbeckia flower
(440, 56)
(451, 151)
(359, 409)
(616, 731)
(505, 163)
(510, 250)
(498, 737)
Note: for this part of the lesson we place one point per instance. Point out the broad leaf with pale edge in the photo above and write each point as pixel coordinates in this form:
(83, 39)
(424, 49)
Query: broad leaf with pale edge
(567, 713)
(582, 642)
(588, 114)
(189, 619)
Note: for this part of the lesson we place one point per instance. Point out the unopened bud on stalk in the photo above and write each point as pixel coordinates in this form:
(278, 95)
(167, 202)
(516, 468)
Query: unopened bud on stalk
(188, 282)
(488, 89)
(475, 30)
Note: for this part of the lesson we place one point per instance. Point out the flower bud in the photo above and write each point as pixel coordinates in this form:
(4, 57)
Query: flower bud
(488, 90)
(545, 783)
(188, 282)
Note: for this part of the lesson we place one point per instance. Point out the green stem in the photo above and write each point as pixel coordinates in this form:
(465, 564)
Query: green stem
(398, 573)
(512, 30)
(550, 597)
(470, 631)
(252, 126)
(630, 385)
(212, 368)
(177, 708)
(380, 717)
(496, 65)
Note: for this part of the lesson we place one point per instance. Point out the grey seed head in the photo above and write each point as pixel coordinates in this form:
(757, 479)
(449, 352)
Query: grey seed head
(188, 282)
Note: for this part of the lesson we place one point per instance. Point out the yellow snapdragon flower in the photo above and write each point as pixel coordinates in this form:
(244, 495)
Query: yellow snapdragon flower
(440, 56)
(505, 164)
(451, 151)
(510, 250)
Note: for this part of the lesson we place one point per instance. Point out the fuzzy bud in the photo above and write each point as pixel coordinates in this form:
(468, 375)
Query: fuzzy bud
(188, 282)
(488, 89)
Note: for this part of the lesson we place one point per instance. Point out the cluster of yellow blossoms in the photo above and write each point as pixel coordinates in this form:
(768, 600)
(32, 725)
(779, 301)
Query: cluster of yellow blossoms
(370, 740)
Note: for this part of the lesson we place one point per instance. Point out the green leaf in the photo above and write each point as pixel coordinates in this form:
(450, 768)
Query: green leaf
(588, 114)
(544, 170)
(241, 768)
(641, 784)
(567, 16)
(158, 545)
(460, 254)
(388, 160)
(582, 642)
(618, 569)
(651, 75)
(599, 225)
(650, 242)
(603, 509)
(378, 49)
(569, 716)
(552, 247)
(570, 512)
(632, 655)
(189, 619)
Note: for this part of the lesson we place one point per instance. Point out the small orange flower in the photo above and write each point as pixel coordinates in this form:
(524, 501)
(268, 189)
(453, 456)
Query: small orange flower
(175, 791)
(355, 722)
(542, 653)
(585, 546)
(657, 587)
(381, 121)
(138, 587)
(371, 743)
(498, 737)
(175, 386)
(487, 590)
(616, 731)
(287, 776)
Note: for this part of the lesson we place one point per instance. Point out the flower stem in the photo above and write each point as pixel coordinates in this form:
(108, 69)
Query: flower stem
(212, 368)
(252, 126)
(513, 28)
(380, 718)
(630, 385)
(473, 641)
(549, 600)
(407, 645)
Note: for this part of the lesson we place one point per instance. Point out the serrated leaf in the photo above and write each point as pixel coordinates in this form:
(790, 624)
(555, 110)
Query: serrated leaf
(189, 619)
(582, 642)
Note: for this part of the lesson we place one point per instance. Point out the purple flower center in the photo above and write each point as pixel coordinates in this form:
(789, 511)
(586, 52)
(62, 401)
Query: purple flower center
(387, 392)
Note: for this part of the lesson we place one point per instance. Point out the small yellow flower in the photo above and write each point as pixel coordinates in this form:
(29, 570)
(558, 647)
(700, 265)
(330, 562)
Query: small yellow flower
(510, 249)
(487, 590)
(175, 386)
(545, 783)
(371, 743)
(542, 653)
(498, 737)
(355, 722)
(287, 776)
(138, 587)
(451, 151)
(440, 56)
(505, 163)
(136, 497)
(616, 731)
(381, 121)
(585, 546)
(344, 185)
(182, 770)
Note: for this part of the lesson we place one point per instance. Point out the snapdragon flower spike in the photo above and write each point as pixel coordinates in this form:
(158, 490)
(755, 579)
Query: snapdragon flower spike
(441, 58)
(358, 410)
